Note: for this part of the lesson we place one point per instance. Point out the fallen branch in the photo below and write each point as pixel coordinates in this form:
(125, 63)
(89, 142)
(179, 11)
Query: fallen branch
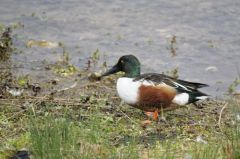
(220, 116)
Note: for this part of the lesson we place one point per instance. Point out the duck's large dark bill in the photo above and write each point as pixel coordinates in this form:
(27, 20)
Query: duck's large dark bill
(113, 70)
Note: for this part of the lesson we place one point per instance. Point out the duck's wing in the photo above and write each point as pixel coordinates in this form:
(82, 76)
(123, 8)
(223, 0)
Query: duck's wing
(180, 85)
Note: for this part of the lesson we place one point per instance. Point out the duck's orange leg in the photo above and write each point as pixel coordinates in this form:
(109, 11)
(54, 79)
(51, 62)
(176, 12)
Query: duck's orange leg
(149, 114)
(147, 122)
(155, 115)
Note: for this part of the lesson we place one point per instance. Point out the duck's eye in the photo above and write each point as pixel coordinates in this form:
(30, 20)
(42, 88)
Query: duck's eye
(122, 61)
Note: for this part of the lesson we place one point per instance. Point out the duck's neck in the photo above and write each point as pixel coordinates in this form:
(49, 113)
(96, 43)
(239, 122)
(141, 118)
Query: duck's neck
(133, 72)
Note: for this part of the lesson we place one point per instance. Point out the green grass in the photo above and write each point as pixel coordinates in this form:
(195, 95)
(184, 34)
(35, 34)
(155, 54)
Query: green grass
(59, 138)
(105, 136)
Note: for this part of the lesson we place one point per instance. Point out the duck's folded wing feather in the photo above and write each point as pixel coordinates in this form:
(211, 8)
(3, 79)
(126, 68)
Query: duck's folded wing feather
(181, 85)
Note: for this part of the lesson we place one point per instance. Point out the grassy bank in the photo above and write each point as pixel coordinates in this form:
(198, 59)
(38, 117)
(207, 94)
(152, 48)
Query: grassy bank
(98, 125)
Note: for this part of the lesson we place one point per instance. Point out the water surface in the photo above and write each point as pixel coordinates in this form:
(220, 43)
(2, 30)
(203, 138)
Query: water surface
(207, 35)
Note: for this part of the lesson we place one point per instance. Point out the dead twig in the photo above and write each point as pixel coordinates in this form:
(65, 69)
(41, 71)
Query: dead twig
(220, 116)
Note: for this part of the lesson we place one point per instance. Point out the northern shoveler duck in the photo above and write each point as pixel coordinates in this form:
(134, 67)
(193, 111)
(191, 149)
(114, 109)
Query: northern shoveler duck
(153, 92)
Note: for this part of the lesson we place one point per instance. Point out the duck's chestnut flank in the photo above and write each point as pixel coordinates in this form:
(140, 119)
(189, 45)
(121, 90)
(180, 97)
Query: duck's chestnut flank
(155, 97)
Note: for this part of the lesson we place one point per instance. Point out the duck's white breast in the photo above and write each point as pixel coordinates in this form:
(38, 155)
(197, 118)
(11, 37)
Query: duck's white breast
(128, 90)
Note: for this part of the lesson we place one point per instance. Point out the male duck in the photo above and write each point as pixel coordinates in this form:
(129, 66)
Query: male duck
(152, 92)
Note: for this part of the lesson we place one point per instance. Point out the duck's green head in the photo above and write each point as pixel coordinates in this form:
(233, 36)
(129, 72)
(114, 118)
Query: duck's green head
(128, 64)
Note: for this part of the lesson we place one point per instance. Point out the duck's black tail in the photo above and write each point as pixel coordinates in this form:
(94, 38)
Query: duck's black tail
(196, 95)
